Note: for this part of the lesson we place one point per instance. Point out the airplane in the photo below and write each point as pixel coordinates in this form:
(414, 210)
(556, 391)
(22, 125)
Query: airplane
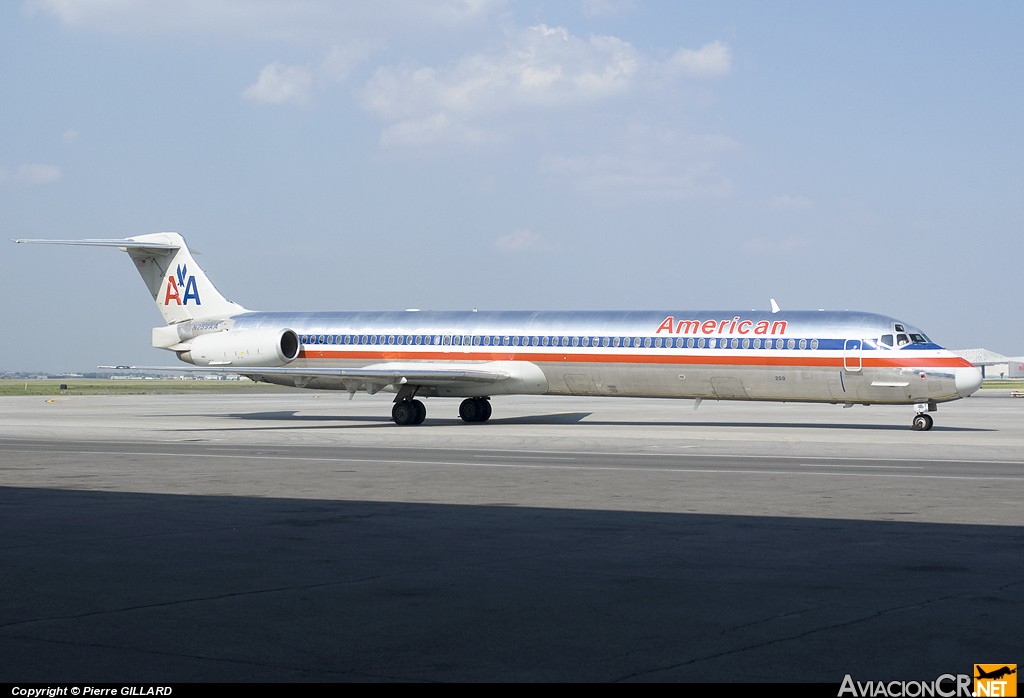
(837, 357)
(995, 674)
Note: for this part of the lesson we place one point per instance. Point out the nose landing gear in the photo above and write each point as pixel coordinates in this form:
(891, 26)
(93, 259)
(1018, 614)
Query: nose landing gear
(923, 421)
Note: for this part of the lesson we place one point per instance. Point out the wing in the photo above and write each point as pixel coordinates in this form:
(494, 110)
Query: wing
(370, 378)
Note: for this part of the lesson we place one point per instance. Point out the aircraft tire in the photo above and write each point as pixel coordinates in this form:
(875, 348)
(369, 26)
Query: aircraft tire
(475, 409)
(922, 422)
(469, 410)
(404, 413)
(421, 412)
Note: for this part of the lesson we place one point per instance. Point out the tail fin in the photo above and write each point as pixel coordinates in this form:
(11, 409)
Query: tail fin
(179, 287)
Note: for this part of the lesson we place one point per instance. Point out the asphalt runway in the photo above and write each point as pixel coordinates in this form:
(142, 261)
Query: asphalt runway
(304, 537)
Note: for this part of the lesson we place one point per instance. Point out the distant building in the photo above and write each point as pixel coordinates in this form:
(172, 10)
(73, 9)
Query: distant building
(994, 365)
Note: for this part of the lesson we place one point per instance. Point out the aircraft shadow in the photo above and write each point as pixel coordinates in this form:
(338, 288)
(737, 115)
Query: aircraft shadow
(142, 587)
(368, 421)
(363, 421)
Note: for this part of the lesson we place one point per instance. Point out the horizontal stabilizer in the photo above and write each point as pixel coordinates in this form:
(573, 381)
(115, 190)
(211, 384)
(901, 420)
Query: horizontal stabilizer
(125, 244)
(178, 287)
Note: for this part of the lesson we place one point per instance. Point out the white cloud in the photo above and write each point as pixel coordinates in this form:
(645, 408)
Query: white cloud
(340, 61)
(521, 240)
(787, 202)
(607, 8)
(32, 174)
(648, 164)
(539, 68)
(308, 20)
(281, 84)
(341, 34)
(709, 61)
(436, 129)
(624, 178)
(780, 247)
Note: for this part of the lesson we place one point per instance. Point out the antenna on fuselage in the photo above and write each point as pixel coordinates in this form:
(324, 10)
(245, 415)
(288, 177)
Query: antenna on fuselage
(775, 306)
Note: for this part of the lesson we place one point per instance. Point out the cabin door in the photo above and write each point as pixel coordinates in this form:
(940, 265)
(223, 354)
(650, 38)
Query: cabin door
(853, 360)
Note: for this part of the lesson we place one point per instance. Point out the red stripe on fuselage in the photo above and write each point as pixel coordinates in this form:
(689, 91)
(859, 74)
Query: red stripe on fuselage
(722, 359)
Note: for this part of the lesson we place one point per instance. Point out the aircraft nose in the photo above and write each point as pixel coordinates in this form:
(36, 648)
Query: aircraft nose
(968, 380)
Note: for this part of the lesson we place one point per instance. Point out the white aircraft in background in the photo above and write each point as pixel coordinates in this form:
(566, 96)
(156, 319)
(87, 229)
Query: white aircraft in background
(808, 356)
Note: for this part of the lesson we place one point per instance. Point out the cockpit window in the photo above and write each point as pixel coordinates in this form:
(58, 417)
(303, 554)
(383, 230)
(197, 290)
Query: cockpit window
(902, 339)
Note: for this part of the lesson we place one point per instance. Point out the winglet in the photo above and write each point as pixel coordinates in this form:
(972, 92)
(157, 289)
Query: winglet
(775, 306)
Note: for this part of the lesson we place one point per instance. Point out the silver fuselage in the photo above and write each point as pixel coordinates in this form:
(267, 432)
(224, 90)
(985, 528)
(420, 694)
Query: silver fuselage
(824, 356)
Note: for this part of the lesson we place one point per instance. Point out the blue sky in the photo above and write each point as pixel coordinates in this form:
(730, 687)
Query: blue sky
(511, 155)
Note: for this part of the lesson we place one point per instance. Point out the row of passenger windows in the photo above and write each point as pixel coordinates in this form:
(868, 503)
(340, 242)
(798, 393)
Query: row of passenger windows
(548, 341)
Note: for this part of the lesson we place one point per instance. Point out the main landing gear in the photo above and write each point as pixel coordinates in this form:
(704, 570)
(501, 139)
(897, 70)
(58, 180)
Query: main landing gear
(408, 411)
(475, 409)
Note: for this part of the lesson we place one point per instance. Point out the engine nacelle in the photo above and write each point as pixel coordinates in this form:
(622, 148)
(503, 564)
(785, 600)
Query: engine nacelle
(256, 348)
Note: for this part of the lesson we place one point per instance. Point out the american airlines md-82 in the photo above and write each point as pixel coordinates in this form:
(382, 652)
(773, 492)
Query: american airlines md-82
(807, 356)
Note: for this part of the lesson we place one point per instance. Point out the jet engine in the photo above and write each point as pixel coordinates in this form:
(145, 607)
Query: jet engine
(253, 348)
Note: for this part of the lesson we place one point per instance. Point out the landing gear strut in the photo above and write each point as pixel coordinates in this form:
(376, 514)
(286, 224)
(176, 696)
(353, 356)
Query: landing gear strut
(406, 412)
(475, 409)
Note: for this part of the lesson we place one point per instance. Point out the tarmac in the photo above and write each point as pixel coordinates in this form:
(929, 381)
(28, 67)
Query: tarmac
(303, 537)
